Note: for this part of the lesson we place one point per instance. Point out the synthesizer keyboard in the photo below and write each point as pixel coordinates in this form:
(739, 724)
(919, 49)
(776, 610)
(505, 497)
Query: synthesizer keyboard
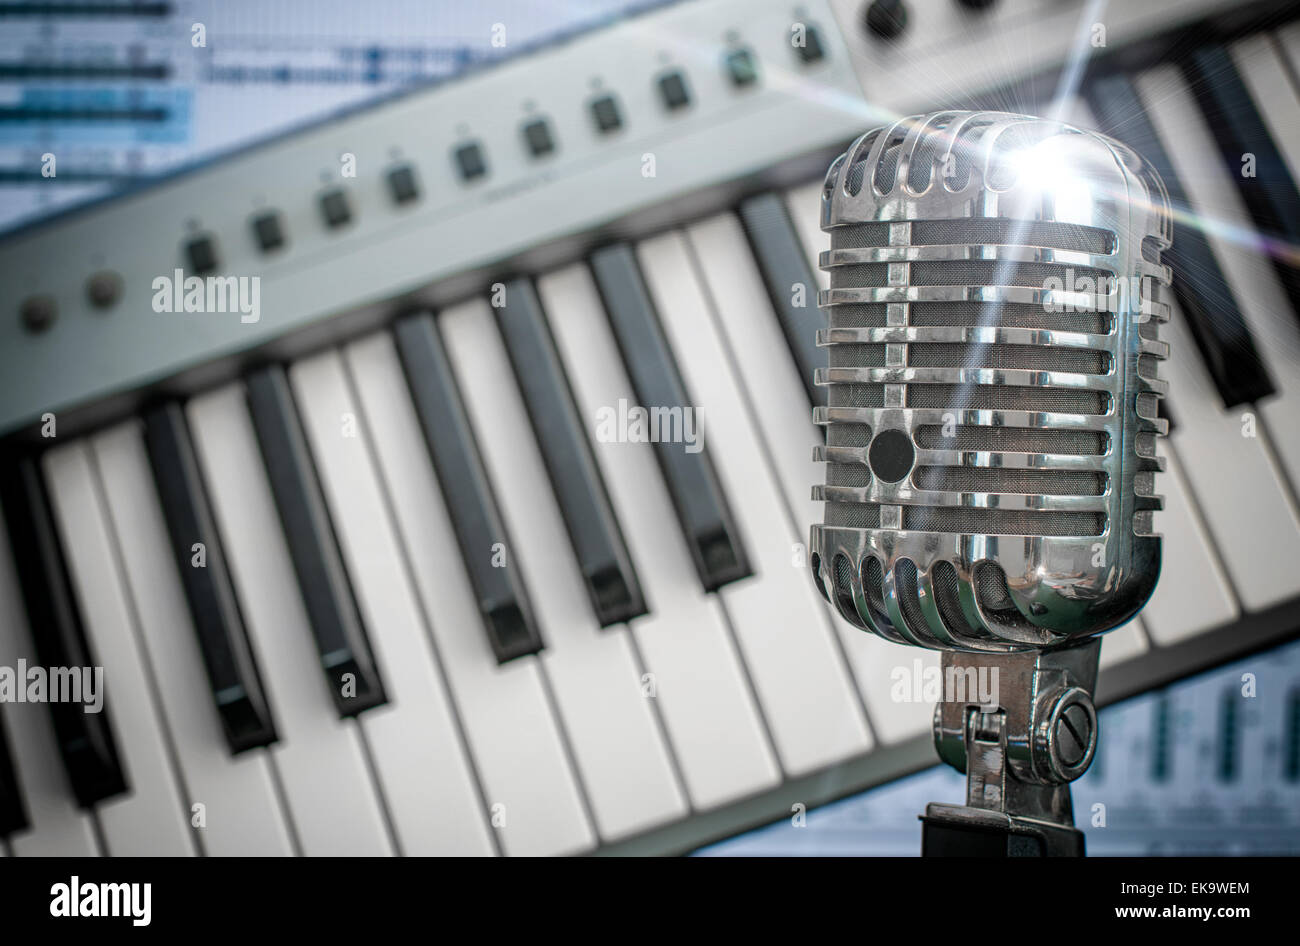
(367, 575)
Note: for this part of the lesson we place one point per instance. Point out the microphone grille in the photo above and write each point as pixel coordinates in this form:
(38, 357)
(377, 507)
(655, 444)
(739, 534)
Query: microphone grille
(995, 297)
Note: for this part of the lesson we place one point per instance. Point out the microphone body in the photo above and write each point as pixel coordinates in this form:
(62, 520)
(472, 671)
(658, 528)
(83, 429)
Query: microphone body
(994, 310)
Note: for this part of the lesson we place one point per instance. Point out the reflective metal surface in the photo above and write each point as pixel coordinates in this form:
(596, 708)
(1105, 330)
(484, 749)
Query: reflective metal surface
(975, 168)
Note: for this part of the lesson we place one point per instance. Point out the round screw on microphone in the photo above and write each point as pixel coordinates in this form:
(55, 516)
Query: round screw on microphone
(1069, 736)
(886, 18)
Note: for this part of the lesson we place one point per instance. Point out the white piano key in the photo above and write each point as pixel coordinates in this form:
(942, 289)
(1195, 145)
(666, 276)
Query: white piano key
(511, 731)
(1288, 38)
(787, 642)
(1193, 594)
(700, 689)
(593, 672)
(320, 759)
(1266, 65)
(1217, 203)
(770, 382)
(241, 812)
(417, 751)
(768, 376)
(1123, 643)
(804, 203)
(1258, 538)
(152, 819)
(877, 664)
(56, 826)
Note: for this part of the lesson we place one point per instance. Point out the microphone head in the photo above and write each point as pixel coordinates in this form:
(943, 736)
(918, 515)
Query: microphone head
(995, 298)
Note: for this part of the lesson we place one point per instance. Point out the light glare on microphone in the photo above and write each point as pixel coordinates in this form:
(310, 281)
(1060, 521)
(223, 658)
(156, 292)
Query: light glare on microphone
(1045, 168)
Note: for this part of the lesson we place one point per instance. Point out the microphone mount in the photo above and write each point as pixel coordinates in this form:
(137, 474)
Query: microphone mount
(1019, 757)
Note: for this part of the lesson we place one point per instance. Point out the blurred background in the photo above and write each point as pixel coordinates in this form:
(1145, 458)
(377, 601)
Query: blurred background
(127, 93)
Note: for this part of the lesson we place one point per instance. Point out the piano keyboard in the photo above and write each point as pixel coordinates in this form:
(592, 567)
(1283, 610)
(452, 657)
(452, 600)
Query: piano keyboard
(402, 593)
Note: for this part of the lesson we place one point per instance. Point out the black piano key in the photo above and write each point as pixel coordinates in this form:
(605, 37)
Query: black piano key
(589, 517)
(13, 814)
(327, 594)
(693, 484)
(508, 617)
(223, 640)
(784, 266)
(1206, 301)
(1239, 129)
(86, 745)
(475, 516)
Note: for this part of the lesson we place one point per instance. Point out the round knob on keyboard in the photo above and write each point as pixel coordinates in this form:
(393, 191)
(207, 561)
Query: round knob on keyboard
(103, 288)
(886, 18)
(38, 313)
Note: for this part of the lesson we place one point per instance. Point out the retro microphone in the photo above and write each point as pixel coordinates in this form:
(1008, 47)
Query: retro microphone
(995, 299)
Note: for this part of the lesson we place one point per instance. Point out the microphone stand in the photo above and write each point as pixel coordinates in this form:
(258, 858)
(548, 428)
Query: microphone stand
(1019, 757)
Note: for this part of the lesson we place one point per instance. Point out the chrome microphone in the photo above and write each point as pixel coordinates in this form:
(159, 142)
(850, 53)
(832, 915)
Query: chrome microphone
(995, 299)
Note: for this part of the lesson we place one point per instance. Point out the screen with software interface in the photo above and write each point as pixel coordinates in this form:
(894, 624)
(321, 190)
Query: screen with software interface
(147, 88)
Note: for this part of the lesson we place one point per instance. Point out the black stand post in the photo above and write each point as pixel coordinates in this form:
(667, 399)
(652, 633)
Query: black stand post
(958, 831)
